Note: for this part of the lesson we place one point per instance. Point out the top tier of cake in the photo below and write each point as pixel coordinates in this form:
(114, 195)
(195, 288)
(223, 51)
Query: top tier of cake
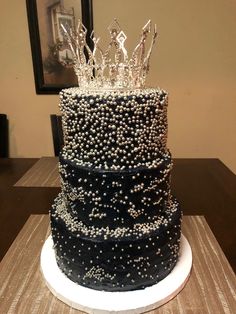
(114, 130)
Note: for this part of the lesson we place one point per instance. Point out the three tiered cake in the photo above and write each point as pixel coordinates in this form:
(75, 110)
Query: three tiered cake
(115, 225)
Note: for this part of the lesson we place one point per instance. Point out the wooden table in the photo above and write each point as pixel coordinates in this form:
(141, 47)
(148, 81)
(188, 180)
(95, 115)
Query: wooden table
(44, 173)
(210, 289)
(16, 202)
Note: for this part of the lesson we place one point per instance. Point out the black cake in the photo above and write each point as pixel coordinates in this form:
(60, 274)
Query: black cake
(115, 224)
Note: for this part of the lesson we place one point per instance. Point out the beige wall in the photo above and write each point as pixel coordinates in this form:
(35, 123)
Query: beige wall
(28, 113)
(194, 60)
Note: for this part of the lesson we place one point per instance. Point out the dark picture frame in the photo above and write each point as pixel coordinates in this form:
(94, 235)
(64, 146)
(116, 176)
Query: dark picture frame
(50, 76)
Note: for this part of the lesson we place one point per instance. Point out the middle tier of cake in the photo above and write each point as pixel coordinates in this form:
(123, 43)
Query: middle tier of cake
(114, 199)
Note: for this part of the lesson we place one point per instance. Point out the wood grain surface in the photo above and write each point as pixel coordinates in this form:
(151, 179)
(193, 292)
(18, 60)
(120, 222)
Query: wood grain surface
(44, 173)
(210, 289)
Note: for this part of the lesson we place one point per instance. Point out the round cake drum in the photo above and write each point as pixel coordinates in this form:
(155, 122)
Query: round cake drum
(93, 301)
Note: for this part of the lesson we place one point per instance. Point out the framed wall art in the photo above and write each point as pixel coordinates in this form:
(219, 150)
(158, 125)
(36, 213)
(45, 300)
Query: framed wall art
(52, 62)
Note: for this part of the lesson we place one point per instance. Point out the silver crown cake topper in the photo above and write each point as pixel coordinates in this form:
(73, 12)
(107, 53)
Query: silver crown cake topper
(111, 68)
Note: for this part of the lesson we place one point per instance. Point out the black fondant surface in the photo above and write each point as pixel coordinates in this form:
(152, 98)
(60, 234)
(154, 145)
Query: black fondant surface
(115, 225)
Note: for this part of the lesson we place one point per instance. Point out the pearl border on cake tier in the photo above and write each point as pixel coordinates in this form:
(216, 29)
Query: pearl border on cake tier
(127, 302)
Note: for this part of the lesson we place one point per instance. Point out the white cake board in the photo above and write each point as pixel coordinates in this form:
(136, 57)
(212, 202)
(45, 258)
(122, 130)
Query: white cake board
(127, 302)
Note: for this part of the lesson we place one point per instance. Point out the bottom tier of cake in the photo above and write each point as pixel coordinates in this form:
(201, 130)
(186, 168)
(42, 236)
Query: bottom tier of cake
(119, 259)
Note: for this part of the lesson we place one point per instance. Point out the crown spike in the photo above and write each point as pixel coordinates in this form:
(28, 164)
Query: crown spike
(147, 59)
